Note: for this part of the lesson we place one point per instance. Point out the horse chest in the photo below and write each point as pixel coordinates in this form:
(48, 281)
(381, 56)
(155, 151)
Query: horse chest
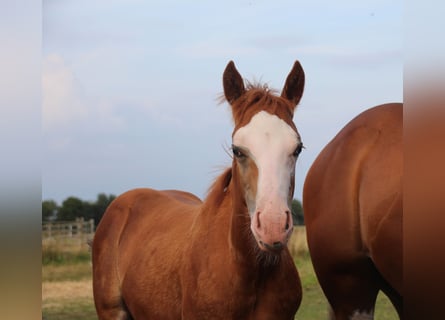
(230, 294)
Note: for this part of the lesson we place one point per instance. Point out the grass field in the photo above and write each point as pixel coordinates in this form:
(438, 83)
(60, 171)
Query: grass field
(67, 292)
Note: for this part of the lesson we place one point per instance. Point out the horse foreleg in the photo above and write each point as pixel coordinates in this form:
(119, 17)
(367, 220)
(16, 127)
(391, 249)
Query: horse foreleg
(279, 296)
(107, 296)
(116, 313)
(352, 295)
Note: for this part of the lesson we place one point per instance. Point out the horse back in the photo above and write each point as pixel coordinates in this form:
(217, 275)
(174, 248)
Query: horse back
(143, 210)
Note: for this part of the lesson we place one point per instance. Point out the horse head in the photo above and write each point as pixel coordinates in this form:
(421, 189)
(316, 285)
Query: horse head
(265, 145)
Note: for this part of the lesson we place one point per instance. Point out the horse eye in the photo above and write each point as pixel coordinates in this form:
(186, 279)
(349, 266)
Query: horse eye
(238, 153)
(298, 150)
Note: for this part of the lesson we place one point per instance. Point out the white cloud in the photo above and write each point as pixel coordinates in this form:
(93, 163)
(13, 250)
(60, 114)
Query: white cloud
(67, 104)
(63, 100)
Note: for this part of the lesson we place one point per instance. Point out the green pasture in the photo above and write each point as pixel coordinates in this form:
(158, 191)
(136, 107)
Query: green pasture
(67, 292)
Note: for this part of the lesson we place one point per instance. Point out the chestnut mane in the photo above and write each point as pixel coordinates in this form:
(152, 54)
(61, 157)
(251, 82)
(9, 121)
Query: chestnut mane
(217, 191)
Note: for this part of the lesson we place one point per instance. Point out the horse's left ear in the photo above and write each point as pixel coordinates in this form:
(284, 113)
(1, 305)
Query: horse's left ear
(233, 83)
(294, 86)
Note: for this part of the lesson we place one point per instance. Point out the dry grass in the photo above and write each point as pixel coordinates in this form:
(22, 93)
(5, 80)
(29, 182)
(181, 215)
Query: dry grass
(297, 242)
(67, 272)
(60, 293)
(62, 250)
(67, 243)
(68, 300)
(67, 292)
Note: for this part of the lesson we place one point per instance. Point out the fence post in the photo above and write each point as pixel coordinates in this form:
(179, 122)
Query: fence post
(79, 222)
(70, 230)
(91, 226)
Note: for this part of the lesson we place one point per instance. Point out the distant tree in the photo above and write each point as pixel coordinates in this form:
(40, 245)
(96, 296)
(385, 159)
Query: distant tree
(89, 209)
(297, 212)
(71, 209)
(49, 210)
(102, 203)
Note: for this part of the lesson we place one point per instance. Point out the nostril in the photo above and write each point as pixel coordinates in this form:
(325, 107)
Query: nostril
(258, 223)
(286, 227)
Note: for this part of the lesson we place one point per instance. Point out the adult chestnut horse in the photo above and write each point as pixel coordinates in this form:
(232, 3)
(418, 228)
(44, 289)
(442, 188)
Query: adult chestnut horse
(167, 255)
(352, 202)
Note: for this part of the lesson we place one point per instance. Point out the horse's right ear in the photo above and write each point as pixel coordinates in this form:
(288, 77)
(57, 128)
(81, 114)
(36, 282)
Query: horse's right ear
(233, 83)
(294, 86)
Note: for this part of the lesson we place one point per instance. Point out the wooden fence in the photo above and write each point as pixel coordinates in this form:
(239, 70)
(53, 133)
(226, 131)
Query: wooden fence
(68, 229)
(81, 232)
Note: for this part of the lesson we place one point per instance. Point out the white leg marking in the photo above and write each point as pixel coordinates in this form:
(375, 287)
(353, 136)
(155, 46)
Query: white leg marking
(357, 315)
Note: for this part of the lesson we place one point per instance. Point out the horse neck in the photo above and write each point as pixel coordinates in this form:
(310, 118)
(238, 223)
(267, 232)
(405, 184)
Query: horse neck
(225, 205)
(240, 234)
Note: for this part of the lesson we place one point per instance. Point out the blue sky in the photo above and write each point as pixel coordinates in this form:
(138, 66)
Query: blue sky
(130, 88)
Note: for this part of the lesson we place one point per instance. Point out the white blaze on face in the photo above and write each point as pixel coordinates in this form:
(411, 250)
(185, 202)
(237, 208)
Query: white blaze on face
(270, 143)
